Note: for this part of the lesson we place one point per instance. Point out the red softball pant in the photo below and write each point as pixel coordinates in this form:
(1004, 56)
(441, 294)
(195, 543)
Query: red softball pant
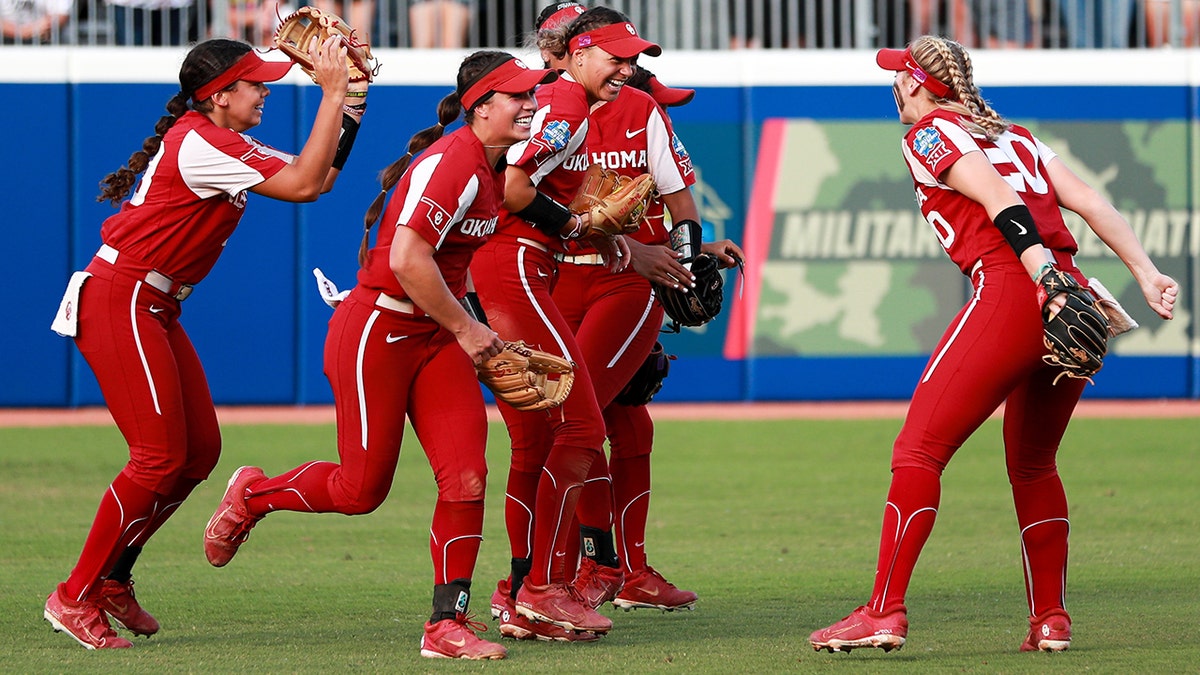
(553, 449)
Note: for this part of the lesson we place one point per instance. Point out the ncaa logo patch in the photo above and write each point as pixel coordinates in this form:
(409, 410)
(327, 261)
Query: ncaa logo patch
(556, 135)
(928, 143)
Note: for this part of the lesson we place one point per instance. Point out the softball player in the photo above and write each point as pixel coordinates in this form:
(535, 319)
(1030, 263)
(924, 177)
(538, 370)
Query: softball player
(988, 188)
(124, 309)
(514, 273)
(401, 343)
(616, 321)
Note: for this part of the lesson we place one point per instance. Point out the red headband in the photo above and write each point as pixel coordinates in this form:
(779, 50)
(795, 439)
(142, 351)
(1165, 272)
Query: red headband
(619, 39)
(510, 76)
(250, 68)
(902, 59)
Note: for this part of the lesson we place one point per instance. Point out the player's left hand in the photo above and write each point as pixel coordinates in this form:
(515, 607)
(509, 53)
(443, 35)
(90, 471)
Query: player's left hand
(613, 249)
(660, 264)
(727, 253)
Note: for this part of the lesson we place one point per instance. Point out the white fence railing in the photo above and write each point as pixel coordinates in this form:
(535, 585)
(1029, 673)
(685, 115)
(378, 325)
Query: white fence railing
(676, 24)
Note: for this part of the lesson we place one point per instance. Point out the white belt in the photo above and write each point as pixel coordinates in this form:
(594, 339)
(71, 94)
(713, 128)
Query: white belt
(583, 259)
(154, 278)
(395, 304)
(534, 243)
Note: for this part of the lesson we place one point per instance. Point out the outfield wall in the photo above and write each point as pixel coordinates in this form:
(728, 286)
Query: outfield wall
(846, 290)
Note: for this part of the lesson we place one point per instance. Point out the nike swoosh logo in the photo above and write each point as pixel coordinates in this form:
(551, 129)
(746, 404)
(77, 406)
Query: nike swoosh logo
(394, 338)
(559, 554)
(833, 633)
(461, 642)
(542, 274)
(1021, 228)
(631, 134)
(639, 544)
(156, 310)
(650, 591)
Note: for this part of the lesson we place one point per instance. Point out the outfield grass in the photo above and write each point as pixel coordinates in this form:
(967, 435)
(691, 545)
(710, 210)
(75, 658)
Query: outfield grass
(774, 524)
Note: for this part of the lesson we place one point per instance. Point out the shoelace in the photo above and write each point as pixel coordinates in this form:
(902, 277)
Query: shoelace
(469, 621)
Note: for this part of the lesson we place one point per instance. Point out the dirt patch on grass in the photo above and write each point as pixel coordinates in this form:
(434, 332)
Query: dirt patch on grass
(50, 417)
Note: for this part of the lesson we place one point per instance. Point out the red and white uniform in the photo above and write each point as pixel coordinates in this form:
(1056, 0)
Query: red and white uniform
(616, 317)
(990, 354)
(170, 232)
(514, 274)
(385, 359)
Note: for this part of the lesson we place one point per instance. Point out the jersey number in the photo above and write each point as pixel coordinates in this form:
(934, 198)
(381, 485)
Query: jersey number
(1005, 155)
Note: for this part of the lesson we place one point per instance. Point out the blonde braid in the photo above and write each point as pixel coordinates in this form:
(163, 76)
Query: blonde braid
(952, 65)
(982, 114)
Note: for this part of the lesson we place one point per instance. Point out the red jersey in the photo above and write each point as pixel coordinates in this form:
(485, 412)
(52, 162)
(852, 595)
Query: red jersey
(962, 225)
(450, 195)
(191, 198)
(555, 156)
(632, 136)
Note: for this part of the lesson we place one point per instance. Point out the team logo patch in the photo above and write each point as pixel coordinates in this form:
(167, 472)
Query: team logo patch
(438, 217)
(928, 143)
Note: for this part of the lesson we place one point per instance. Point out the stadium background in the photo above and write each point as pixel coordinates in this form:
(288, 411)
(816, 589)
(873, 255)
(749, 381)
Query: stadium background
(797, 152)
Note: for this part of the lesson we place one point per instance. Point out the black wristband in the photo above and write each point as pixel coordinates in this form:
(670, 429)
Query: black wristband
(546, 214)
(1017, 226)
(345, 141)
(686, 239)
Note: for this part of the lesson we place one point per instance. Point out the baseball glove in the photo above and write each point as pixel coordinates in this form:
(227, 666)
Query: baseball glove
(701, 304)
(1077, 336)
(297, 28)
(648, 380)
(527, 378)
(616, 203)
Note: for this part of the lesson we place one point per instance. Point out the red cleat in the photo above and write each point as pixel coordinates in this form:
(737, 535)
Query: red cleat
(502, 598)
(231, 523)
(517, 627)
(1050, 632)
(596, 584)
(864, 628)
(557, 604)
(83, 621)
(647, 588)
(456, 639)
(117, 600)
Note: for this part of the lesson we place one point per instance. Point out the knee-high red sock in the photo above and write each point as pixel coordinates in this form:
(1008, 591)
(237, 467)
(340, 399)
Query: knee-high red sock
(304, 488)
(125, 510)
(167, 506)
(1042, 515)
(454, 539)
(908, 519)
(520, 497)
(596, 501)
(631, 496)
(557, 496)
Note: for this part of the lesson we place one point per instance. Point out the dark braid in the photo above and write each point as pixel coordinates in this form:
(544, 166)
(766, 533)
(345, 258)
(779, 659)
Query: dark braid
(448, 110)
(203, 63)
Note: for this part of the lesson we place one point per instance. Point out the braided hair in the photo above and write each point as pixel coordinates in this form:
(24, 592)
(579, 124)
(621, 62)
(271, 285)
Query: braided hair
(448, 110)
(948, 61)
(204, 62)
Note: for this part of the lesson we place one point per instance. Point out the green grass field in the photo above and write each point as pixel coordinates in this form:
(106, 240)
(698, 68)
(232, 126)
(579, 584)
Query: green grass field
(773, 523)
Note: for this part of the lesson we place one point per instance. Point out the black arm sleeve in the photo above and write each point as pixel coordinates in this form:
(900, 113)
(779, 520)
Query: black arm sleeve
(546, 214)
(345, 141)
(1017, 226)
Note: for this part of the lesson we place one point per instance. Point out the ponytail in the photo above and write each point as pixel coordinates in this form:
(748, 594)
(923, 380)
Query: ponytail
(448, 110)
(117, 184)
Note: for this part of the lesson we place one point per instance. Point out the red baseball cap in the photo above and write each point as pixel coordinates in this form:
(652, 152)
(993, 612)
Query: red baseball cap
(507, 76)
(902, 59)
(251, 68)
(619, 39)
(669, 96)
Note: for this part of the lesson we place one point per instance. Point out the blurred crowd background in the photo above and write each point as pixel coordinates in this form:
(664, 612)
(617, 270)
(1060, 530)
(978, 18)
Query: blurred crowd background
(675, 24)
